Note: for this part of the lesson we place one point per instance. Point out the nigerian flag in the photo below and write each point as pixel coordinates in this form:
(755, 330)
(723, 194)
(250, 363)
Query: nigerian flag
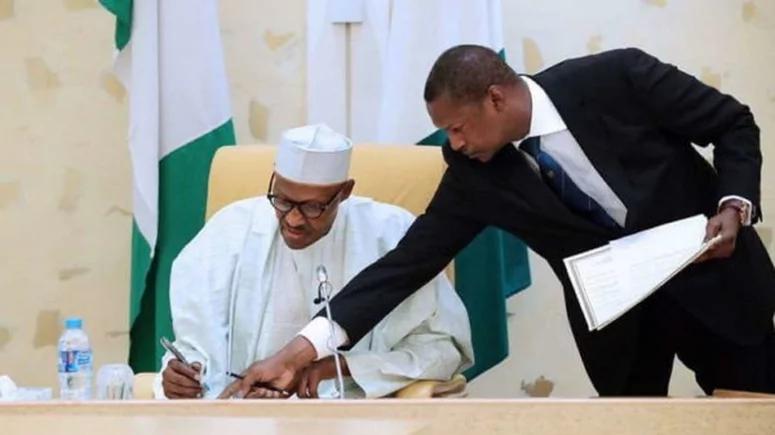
(368, 80)
(171, 62)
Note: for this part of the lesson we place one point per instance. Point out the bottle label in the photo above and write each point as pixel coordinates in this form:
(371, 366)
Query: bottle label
(74, 361)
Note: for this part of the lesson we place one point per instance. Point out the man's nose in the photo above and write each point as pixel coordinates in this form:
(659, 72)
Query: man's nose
(456, 142)
(294, 217)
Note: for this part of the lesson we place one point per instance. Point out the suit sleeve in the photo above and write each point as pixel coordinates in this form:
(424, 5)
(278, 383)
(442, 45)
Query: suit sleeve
(688, 108)
(445, 228)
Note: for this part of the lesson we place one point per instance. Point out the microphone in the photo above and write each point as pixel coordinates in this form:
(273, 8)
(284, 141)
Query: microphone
(322, 281)
(322, 273)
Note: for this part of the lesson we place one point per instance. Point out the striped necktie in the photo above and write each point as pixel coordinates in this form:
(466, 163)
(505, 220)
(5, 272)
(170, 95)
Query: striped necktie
(558, 180)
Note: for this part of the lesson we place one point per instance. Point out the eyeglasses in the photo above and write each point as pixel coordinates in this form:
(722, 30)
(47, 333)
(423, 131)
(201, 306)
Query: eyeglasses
(308, 209)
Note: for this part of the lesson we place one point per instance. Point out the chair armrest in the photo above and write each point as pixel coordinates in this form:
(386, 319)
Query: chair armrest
(454, 387)
(143, 388)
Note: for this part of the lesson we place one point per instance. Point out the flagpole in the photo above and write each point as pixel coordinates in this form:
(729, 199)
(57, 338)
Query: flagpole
(346, 12)
(348, 77)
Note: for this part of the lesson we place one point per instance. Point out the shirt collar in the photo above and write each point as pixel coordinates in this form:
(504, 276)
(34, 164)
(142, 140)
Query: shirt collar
(544, 117)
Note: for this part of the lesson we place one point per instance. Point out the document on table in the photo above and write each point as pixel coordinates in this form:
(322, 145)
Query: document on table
(612, 279)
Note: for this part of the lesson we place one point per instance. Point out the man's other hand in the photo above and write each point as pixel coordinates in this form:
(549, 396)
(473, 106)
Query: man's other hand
(280, 371)
(321, 370)
(727, 223)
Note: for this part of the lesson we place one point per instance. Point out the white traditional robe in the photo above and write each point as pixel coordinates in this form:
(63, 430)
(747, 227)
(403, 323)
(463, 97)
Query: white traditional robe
(238, 279)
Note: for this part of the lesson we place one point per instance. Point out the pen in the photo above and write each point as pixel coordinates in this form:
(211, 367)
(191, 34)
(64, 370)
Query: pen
(174, 350)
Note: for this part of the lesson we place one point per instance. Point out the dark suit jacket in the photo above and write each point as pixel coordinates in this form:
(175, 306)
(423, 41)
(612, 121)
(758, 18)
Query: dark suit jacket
(635, 118)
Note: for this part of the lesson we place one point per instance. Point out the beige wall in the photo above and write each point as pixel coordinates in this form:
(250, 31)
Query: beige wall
(64, 185)
(264, 43)
(64, 177)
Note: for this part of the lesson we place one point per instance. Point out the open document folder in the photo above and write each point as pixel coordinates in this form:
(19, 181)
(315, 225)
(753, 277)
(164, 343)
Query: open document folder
(614, 278)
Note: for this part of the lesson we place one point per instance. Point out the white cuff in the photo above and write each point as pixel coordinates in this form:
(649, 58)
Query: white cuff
(746, 220)
(318, 332)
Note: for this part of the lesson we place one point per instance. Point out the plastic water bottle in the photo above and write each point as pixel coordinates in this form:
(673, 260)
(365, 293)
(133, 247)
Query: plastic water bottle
(75, 362)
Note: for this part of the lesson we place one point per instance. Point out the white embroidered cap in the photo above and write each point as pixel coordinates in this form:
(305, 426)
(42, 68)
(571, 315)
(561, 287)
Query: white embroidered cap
(314, 154)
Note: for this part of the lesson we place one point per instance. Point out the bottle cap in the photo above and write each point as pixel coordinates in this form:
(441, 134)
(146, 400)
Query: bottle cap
(73, 323)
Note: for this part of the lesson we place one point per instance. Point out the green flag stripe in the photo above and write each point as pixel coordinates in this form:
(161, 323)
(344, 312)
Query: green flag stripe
(141, 261)
(183, 176)
(122, 9)
(491, 268)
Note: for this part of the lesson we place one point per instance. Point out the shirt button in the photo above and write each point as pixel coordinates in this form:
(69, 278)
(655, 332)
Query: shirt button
(550, 174)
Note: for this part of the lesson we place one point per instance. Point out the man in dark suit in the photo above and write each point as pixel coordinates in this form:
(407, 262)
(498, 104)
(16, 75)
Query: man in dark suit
(587, 151)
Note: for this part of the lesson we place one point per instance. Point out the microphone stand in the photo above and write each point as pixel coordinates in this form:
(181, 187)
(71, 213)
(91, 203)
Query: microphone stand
(324, 295)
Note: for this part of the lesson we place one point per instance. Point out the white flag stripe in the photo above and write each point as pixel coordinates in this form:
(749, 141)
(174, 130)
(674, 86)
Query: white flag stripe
(326, 83)
(174, 73)
(391, 54)
(194, 93)
(137, 66)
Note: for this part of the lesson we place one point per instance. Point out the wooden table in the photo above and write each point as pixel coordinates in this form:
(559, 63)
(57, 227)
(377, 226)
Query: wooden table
(376, 417)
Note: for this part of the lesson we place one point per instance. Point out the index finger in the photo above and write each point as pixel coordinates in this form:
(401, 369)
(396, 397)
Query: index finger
(712, 229)
(714, 244)
(185, 370)
(230, 390)
(704, 257)
(264, 393)
(250, 379)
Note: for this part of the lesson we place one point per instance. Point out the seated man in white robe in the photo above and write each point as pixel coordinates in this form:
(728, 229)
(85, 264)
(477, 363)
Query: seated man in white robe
(248, 282)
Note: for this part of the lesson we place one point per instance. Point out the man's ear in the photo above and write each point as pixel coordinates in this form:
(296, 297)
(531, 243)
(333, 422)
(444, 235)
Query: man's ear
(497, 97)
(347, 190)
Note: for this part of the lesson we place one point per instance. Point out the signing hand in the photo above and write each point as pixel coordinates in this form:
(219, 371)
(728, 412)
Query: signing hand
(316, 372)
(726, 223)
(181, 381)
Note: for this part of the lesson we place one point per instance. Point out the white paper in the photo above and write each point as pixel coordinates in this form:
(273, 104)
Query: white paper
(644, 261)
(612, 279)
(595, 282)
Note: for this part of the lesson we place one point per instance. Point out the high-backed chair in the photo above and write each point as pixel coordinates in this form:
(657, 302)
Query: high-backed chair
(401, 175)
(406, 176)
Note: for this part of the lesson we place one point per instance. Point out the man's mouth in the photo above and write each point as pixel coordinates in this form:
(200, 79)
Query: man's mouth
(481, 156)
(293, 232)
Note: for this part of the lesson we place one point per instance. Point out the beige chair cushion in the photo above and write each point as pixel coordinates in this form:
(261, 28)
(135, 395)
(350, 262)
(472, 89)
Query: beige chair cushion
(455, 387)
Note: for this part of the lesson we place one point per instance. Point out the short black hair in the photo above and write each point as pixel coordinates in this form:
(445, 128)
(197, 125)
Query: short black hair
(465, 72)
